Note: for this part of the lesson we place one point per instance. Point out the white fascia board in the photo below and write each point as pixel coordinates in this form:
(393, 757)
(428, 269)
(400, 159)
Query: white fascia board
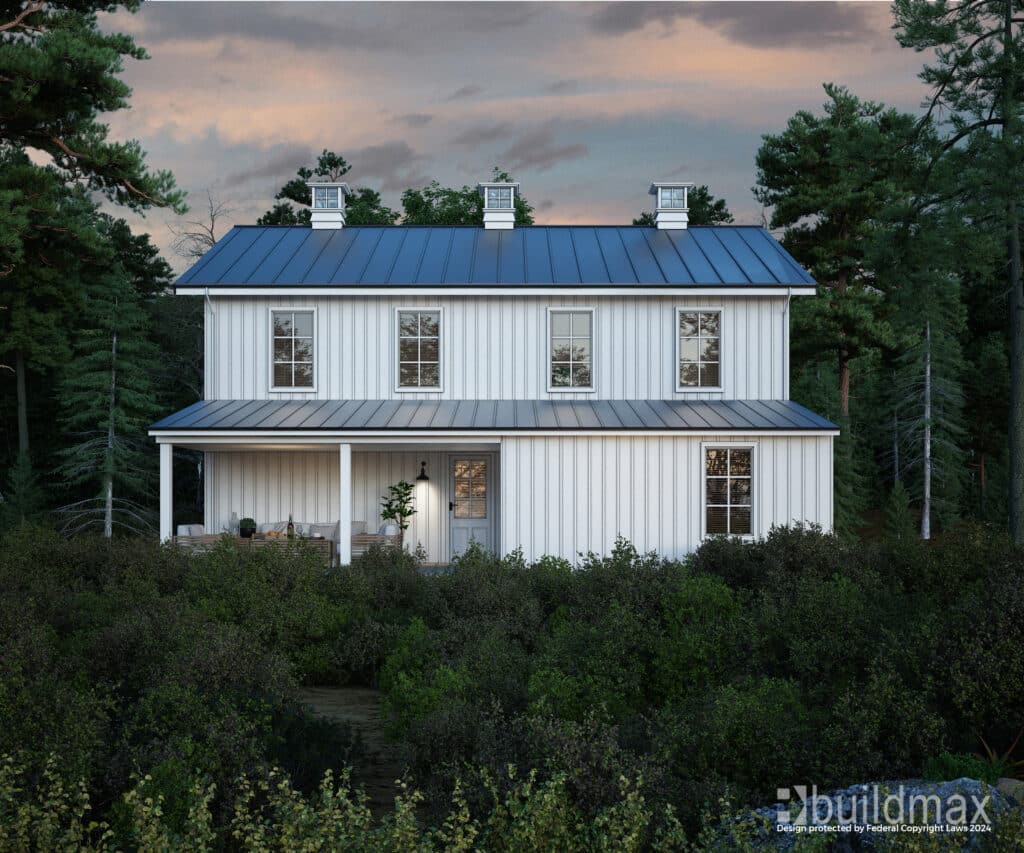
(562, 291)
(377, 436)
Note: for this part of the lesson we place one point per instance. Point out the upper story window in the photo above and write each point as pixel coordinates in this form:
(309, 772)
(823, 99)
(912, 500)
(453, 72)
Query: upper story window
(571, 350)
(327, 198)
(293, 349)
(672, 198)
(699, 349)
(419, 349)
(728, 496)
(498, 198)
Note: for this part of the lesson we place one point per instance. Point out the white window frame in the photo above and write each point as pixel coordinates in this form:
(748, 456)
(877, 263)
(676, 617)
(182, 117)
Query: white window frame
(755, 477)
(567, 309)
(289, 389)
(662, 191)
(327, 194)
(433, 389)
(700, 389)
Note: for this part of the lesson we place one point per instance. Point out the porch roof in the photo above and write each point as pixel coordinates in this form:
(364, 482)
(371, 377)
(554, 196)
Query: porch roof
(457, 416)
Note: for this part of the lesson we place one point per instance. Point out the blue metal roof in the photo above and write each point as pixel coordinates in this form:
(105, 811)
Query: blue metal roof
(532, 255)
(511, 415)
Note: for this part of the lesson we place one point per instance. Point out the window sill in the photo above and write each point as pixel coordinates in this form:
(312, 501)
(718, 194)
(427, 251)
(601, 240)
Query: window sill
(311, 390)
(561, 389)
(428, 389)
(689, 389)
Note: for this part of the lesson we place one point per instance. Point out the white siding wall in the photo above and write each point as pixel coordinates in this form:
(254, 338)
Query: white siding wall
(268, 485)
(496, 347)
(571, 495)
(557, 496)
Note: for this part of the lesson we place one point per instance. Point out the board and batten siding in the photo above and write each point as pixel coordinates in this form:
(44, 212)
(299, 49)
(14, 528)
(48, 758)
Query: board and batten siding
(270, 485)
(495, 347)
(555, 495)
(573, 495)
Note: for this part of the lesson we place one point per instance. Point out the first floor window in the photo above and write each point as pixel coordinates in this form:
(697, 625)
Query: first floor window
(727, 491)
(572, 340)
(419, 349)
(293, 349)
(700, 348)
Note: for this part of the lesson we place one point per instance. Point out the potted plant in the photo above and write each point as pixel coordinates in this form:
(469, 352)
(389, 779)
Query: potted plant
(247, 528)
(396, 506)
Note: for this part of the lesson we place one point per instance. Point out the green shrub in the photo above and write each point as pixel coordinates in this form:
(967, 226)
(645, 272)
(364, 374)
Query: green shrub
(948, 765)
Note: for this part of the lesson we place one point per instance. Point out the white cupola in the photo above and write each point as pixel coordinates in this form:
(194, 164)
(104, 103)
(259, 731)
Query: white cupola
(499, 204)
(672, 208)
(328, 203)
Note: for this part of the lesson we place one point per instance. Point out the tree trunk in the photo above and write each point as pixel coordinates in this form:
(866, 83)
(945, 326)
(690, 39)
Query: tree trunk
(1016, 297)
(1016, 383)
(844, 384)
(19, 371)
(926, 500)
(108, 509)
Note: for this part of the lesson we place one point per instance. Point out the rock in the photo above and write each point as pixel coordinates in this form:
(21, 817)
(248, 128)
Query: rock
(859, 817)
(1013, 788)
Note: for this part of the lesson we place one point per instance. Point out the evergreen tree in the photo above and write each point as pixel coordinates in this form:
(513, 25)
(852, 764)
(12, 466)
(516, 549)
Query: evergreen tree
(60, 74)
(108, 400)
(22, 499)
(704, 209)
(363, 206)
(827, 179)
(41, 296)
(977, 79)
(899, 517)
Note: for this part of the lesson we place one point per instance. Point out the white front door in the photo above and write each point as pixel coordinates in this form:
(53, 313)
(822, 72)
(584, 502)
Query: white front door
(472, 504)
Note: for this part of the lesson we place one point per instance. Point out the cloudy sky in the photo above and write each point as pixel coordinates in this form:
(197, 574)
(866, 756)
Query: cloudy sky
(585, 103)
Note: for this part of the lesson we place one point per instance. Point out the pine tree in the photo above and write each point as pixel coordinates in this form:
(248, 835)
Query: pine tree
(977, 80)
(22, 499)
(899, 517)
(109, 400)
(363, 206)
(827, 178)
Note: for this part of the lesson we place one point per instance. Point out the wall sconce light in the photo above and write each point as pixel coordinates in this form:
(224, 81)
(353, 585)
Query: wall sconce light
(423, 478)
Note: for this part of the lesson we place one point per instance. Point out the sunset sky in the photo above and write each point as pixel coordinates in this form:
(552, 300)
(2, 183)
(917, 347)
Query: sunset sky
(584, 103)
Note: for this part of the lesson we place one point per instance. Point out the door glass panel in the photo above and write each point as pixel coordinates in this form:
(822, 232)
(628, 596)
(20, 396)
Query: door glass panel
(470, 488)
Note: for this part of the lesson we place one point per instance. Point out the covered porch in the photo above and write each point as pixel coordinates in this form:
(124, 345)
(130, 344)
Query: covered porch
(334, 490)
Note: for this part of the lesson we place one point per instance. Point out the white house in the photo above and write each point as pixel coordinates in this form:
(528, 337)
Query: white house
(547, 388)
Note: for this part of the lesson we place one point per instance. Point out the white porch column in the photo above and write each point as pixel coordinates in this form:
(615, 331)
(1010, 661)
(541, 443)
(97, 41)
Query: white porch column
(166, 492)
(345, 504)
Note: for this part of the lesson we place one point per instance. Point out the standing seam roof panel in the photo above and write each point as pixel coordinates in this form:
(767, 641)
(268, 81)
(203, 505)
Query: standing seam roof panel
(200, 266)
(672, 266)
(331, 256)
(753, 267)
(243, 269)
(385, 253)
(462, 255)
(696, 262)
(641, 256)
(589, 256)
(615, 256)
(229, 255)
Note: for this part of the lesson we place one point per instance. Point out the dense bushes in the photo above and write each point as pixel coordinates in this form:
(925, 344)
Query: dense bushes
(126, 659)
(803, 659)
